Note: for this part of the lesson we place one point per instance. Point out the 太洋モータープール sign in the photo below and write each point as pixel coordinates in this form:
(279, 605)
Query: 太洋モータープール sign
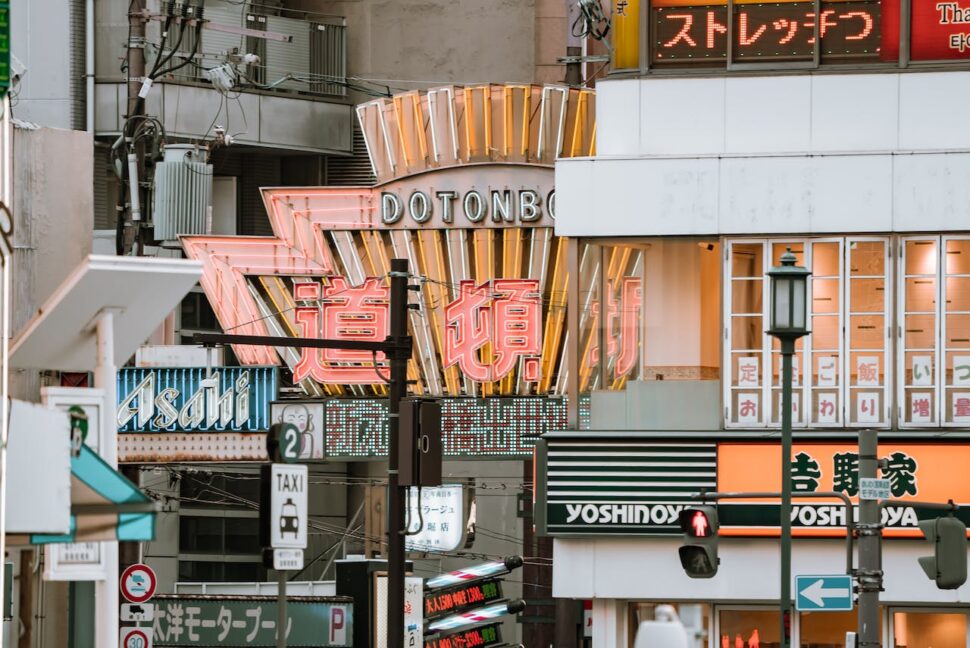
(219, 399)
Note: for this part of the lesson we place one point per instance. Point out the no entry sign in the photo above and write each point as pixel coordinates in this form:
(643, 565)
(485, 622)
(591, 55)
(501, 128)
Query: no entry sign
(138, 583)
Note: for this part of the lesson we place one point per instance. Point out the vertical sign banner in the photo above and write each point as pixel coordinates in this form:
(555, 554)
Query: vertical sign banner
(436, 518)
(413, 611)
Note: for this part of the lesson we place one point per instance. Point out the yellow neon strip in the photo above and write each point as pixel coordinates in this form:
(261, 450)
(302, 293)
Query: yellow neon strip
(487, 100)
(469, 119)
(577, 126)
(419, 126)
(507, 125)
(452, 379)
(429, 290)
(592, 142)
(399, 118)
(526, 101)
(555, 315)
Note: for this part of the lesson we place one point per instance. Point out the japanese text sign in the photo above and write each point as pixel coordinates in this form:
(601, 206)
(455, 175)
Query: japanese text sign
(481, 637)
(939, 30)
(437, 518)
(923, 472)
(219, 399)
(765, 31)
(442, 603)
(251, 621)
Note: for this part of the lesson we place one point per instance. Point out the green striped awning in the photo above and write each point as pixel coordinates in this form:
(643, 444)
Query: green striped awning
(105, 505)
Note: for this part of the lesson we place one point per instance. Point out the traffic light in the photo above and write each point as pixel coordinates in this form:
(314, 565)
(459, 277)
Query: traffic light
(948, 564)
(698, 554)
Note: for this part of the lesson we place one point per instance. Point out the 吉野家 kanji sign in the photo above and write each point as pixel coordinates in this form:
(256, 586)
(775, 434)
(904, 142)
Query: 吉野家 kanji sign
(251, 621)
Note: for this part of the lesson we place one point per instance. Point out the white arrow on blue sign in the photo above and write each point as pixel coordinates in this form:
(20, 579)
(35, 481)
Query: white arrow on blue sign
(823, 593)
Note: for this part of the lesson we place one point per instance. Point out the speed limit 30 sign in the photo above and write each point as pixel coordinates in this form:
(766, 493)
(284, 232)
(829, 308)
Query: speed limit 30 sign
(136, 638)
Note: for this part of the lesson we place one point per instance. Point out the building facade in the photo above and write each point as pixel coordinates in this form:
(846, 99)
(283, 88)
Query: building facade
(726, 135)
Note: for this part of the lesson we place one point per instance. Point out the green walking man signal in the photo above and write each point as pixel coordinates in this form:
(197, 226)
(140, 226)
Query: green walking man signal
(948, 564)
(698, 553)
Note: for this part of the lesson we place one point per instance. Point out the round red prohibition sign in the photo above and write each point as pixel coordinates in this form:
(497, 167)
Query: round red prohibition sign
(136, 639)
(138, 583)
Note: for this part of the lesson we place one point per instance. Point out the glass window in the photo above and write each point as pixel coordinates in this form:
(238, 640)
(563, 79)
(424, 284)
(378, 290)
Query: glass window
(934, 363)
(749, 628)
(826, 629)
(936, 629)
(695, 617)
(840, 371)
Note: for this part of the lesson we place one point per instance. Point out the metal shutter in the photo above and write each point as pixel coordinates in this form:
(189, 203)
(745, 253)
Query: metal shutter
(77, 66)
(258, 171)
(328, 57)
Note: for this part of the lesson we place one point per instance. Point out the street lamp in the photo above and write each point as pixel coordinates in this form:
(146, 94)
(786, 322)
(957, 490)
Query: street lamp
(789, 321)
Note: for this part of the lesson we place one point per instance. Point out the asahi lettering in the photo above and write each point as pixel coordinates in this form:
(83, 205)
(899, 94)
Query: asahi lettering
(499, 206)
(638, 514)
(208, 407)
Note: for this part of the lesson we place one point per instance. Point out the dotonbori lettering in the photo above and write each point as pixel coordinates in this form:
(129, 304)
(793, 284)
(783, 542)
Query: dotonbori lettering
(658, 514)
(496, 205)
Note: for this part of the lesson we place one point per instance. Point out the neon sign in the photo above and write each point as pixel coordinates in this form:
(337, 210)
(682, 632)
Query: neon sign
(438, 604)
(765, 31)
(195, 399)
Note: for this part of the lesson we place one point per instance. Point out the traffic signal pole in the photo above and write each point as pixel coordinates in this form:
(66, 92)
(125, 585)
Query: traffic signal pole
(869, 528)
(395, 493)
(397, 347)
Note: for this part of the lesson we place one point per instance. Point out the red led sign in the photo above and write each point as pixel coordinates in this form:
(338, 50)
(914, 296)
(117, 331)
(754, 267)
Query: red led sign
(438, 604)
(775, 31)
(940, 30)
(481, 637)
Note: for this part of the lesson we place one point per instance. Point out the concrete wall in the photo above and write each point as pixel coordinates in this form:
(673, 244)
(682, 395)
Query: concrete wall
(422, 43)
(39, 38)
(786, 154)
(53, 214)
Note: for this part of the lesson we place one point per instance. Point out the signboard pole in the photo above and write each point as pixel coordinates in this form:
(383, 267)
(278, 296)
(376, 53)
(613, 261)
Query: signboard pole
(395, 493)
(281, 609)
(870, 537)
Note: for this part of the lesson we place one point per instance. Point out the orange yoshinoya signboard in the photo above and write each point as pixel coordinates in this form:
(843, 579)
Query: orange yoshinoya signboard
(926, 472)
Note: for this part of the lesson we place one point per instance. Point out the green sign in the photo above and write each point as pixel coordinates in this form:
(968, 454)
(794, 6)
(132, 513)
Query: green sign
(313, 622)
(5, 46)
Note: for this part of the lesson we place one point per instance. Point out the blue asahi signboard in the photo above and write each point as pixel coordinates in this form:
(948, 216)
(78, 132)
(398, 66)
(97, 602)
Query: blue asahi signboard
(217, 399)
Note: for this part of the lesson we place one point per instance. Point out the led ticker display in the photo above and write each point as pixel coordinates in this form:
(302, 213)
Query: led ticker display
(471, 427)
(766, 31)
(439, 604)
(480, 637)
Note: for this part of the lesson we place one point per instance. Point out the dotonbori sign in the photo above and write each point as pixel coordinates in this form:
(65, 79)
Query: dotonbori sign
(195, 399)
(498, 206)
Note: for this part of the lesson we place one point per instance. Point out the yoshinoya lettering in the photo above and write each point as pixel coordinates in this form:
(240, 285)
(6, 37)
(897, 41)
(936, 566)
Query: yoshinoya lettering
(623, 514)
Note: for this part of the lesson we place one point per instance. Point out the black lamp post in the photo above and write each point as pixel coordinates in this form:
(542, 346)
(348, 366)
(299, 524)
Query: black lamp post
(788, 322)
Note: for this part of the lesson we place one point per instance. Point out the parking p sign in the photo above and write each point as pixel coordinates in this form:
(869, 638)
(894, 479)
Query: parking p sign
(283, 506)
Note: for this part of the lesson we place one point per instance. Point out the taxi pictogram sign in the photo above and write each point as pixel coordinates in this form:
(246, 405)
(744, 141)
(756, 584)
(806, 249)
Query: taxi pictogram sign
(138, 583)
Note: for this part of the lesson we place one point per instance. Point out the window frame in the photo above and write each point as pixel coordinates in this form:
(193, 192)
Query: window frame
(901, 349)
(890, 624)
(807, 351)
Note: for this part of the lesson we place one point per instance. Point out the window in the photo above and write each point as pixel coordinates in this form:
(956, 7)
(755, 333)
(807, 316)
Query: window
(748, 628)
(934, 311)
(929, 629)
(840, 371)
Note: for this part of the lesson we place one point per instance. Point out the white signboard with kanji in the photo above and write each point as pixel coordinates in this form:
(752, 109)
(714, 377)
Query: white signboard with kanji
(436, 518)
(288, 506)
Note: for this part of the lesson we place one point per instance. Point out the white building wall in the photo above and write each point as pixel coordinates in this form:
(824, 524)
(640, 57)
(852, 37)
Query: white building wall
(40, 39)
(649, 569)
(809, 153)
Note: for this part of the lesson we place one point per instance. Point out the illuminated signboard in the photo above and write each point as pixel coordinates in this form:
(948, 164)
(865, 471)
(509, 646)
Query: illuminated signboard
(465, 192)
(440, 604)
(437, 518)
(481, 637)
(939, 30)
(608, 503)
(765, 31)
(220, 399)
(471, 427)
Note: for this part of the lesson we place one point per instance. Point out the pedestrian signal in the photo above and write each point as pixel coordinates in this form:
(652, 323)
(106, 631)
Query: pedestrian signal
(698, 553)
(948, 564)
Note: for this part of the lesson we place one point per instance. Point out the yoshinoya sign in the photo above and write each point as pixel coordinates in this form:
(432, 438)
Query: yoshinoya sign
(597, 485)
(610, 488)
(196, 399)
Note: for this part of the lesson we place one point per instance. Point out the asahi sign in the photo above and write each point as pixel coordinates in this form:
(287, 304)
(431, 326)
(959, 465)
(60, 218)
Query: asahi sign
(217, 399)
(622, 488)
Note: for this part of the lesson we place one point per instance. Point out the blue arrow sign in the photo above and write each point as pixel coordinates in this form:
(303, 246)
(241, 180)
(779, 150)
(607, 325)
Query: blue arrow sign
(823, 593)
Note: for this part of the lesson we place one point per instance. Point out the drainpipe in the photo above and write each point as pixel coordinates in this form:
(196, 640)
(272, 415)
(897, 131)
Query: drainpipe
(89, 64)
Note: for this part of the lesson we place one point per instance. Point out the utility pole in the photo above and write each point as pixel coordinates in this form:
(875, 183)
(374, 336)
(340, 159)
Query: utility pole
(869, 528)
(574, 46)
(395, 493)
(397, 347)
(135, 166)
